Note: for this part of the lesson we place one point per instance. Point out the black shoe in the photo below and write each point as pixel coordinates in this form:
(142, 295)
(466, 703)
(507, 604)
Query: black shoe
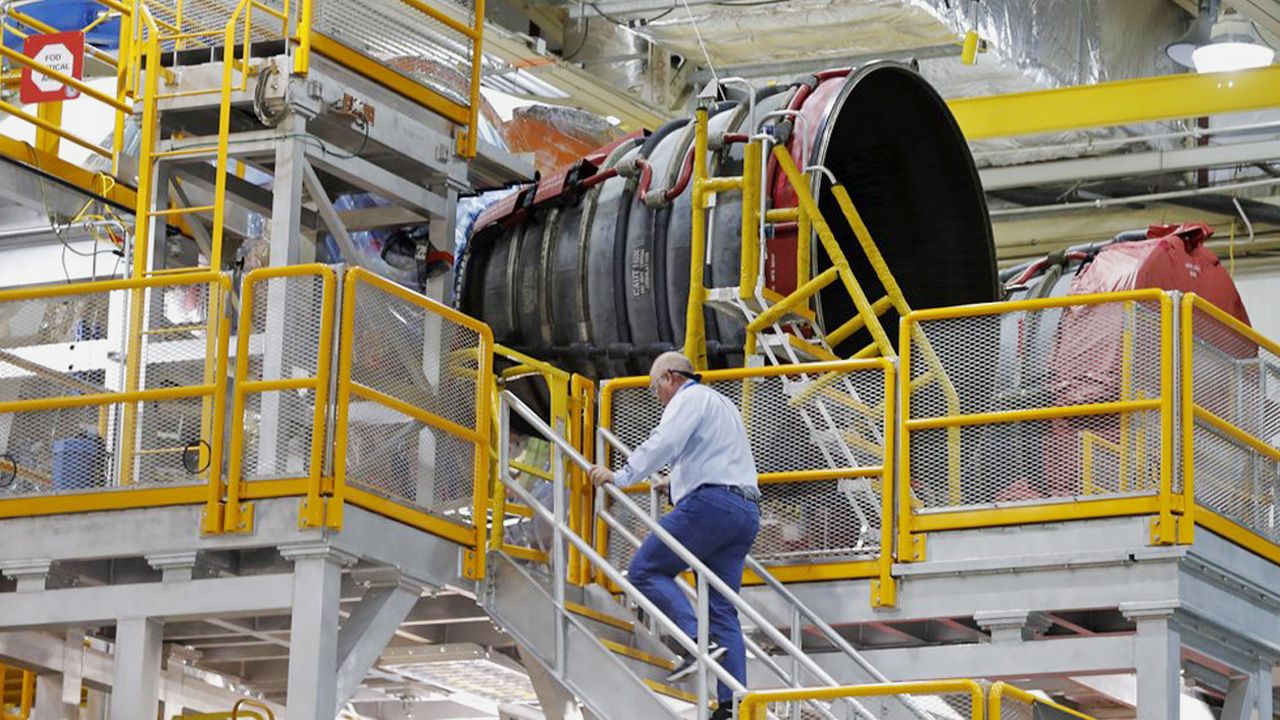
(724, 711)
(690, 662)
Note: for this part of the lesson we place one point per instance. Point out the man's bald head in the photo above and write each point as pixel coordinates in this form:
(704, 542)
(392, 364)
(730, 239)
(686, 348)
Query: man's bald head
(670, 361)
(669, 371)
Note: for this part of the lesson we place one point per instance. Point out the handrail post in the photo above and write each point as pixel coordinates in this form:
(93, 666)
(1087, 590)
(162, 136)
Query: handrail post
(703, 615)
(558, 568)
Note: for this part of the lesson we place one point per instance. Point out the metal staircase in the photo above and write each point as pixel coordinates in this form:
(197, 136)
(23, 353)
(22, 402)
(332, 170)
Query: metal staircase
(597, 649)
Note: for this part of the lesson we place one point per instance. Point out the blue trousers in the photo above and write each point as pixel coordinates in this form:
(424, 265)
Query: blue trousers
(718, 527)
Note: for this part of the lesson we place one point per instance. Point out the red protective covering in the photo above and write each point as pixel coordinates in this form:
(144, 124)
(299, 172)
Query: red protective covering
(1087, 353)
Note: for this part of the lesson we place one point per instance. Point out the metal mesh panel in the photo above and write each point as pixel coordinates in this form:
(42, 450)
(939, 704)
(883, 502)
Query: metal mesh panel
(278, 430)
(169, 443)
(1238, 381)
(404, 39)
(414, 355)
(1037, 359)
(1078, 458)
(939, 706)
(285, 343)
(286, 327)
(411, 463)
(1031, 360)
(58, 347)
(805, 421)
(1015, 709)
(203, 16)
(51, 452)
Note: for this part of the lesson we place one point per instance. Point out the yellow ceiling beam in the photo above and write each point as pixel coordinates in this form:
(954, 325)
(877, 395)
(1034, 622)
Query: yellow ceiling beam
(74, 175)
(1117, 103)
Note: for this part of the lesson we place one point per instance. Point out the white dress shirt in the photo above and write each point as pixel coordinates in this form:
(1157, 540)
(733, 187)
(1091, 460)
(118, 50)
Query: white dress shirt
(701, 437)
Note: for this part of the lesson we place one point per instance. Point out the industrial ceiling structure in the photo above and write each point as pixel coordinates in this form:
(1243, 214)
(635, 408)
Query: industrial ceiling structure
(641, 61)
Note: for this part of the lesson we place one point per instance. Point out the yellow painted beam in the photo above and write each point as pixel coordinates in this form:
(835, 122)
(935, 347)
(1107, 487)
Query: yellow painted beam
(91, 182)
(1117, 103)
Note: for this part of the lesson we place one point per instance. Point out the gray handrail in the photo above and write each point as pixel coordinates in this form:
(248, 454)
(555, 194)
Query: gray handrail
(617, 526)
(508, 400)
(789, 597)
(722, 587)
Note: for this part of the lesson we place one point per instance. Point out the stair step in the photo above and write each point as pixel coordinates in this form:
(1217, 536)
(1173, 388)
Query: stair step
(724, 300)
(803, 349)
(600, 617)
(671, 692)
(636, 654)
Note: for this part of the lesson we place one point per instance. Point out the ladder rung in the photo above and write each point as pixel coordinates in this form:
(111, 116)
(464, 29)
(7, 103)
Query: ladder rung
(184, 152)
(183, 210)
(781, 215)
(857, 322)
(721, 184)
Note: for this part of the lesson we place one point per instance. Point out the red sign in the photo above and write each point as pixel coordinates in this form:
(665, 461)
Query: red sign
(62, 52)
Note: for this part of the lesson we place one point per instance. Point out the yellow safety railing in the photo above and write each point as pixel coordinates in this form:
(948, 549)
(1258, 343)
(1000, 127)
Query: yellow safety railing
(111, 408)
(1229, 420)
(564, 393)
(48, 117)
(412, 427)
(1042, 386)
(1008, 702)
(17, 693)
(818, 522)
(284, 348)
(346, 33)
(967, 699)
(964, 699)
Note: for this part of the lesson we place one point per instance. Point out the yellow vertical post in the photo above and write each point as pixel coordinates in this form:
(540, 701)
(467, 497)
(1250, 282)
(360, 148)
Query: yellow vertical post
(906, 543)
(28, 697)
(884, 591)
(695, 333)
(50, 112)
(232, 522)
(804, 248)
(141, 247)
(484, 391)
(123, 72)
(477, 62)
(750, 265)
(333, 517)
(1164, 533)
(224, 132)
(212, 520)
(314, 514)
(1186, 528)
(302, 56)
(497, 535)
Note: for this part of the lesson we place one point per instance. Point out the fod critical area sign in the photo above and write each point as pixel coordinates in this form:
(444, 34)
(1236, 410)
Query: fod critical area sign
(61, 52)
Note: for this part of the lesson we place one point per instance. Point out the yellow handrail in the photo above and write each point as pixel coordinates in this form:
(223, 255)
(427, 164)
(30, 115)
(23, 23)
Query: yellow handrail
(754, 705)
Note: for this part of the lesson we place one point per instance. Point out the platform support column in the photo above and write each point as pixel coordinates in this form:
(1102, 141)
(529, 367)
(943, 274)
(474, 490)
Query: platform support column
(1157, 659)
(313, 636)
(136, 689)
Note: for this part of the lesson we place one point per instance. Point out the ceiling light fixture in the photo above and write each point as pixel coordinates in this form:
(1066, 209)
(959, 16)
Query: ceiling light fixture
(1234, 45)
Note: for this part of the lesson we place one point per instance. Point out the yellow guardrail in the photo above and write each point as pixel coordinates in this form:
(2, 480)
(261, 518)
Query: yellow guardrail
(425, 371)
(1008, 702)
(16, 704)
(451, 30)
(147, 434)
(964, 699)
(1032, 417)
(283, 350)
(566, 417)
(1230, 459)
(818, 522)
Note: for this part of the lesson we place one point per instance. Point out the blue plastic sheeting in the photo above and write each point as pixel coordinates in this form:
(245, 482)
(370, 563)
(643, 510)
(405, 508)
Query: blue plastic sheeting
(69, 15)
